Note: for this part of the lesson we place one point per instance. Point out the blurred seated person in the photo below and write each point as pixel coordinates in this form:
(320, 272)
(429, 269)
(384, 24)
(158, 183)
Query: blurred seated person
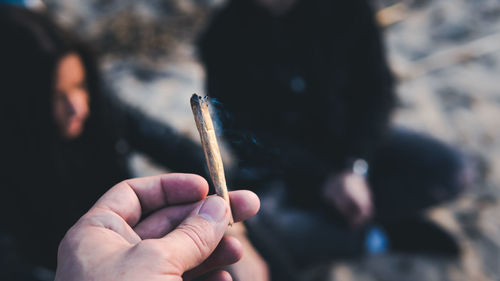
(64, 141)
(305, 96)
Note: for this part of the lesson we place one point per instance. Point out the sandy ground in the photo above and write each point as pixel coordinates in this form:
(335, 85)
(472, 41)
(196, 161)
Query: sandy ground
(445, 53)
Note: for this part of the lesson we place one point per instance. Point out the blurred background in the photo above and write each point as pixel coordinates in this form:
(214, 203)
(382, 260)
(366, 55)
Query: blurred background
(445, 55)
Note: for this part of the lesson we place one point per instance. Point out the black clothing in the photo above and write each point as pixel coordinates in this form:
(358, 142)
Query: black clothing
(410, 172)
(63, 184)
(304, 93)
(47, 182)
(301, 96)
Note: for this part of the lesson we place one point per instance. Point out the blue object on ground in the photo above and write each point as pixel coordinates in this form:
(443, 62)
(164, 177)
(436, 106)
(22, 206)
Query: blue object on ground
(376, 241)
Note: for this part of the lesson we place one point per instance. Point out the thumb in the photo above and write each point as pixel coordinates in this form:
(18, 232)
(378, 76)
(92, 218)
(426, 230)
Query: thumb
(198, 235)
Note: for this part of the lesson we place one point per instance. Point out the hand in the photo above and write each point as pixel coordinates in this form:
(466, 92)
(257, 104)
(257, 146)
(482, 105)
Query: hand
(251, 267)
(350, 194)
(156, 228)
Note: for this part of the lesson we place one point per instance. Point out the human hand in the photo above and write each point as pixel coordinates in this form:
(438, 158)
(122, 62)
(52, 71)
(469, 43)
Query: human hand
(251, 266)
(156, 228)
(350, 194)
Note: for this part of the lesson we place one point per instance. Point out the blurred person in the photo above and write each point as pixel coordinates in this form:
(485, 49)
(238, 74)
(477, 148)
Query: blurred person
(156, 228)
(64, 140)
(306, 97)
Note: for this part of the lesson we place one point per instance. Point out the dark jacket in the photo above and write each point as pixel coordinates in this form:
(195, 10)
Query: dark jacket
(302, 94)
(47, 183)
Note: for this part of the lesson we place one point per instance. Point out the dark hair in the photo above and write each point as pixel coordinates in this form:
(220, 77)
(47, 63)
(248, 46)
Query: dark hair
(32, 46)
(49, 182)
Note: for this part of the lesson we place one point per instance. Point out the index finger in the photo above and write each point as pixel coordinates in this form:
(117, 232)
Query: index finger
(133, 198)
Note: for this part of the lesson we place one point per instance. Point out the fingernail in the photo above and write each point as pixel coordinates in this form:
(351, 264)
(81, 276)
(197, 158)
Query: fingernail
(213, 209)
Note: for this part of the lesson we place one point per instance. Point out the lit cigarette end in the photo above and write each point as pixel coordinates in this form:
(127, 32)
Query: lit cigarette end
(205, 126)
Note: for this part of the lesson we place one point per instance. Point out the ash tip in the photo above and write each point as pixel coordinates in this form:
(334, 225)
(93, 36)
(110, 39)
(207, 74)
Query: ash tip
(197, 99)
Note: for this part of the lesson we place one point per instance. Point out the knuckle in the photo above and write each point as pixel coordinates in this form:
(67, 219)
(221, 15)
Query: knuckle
(197, 234)
(154, 255)
(151, 249)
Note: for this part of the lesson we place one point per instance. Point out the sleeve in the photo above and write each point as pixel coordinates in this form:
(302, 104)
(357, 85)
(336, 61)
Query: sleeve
(368, 86)
(157, 140)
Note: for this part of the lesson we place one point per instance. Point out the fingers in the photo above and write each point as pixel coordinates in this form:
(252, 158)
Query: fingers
(227, 252)
(366, 213)
(109, 220)
(360, 198)
(244, 204)
(132, 198)
(161, 222)
(158, 192)
(219, 275)
(193, 235)
(194, 240)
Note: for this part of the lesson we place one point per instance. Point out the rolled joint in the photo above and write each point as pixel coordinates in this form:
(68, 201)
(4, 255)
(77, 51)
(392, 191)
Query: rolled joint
(205, 126)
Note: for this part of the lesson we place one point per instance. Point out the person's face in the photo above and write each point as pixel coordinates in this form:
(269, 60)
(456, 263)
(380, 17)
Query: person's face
(71, 99)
